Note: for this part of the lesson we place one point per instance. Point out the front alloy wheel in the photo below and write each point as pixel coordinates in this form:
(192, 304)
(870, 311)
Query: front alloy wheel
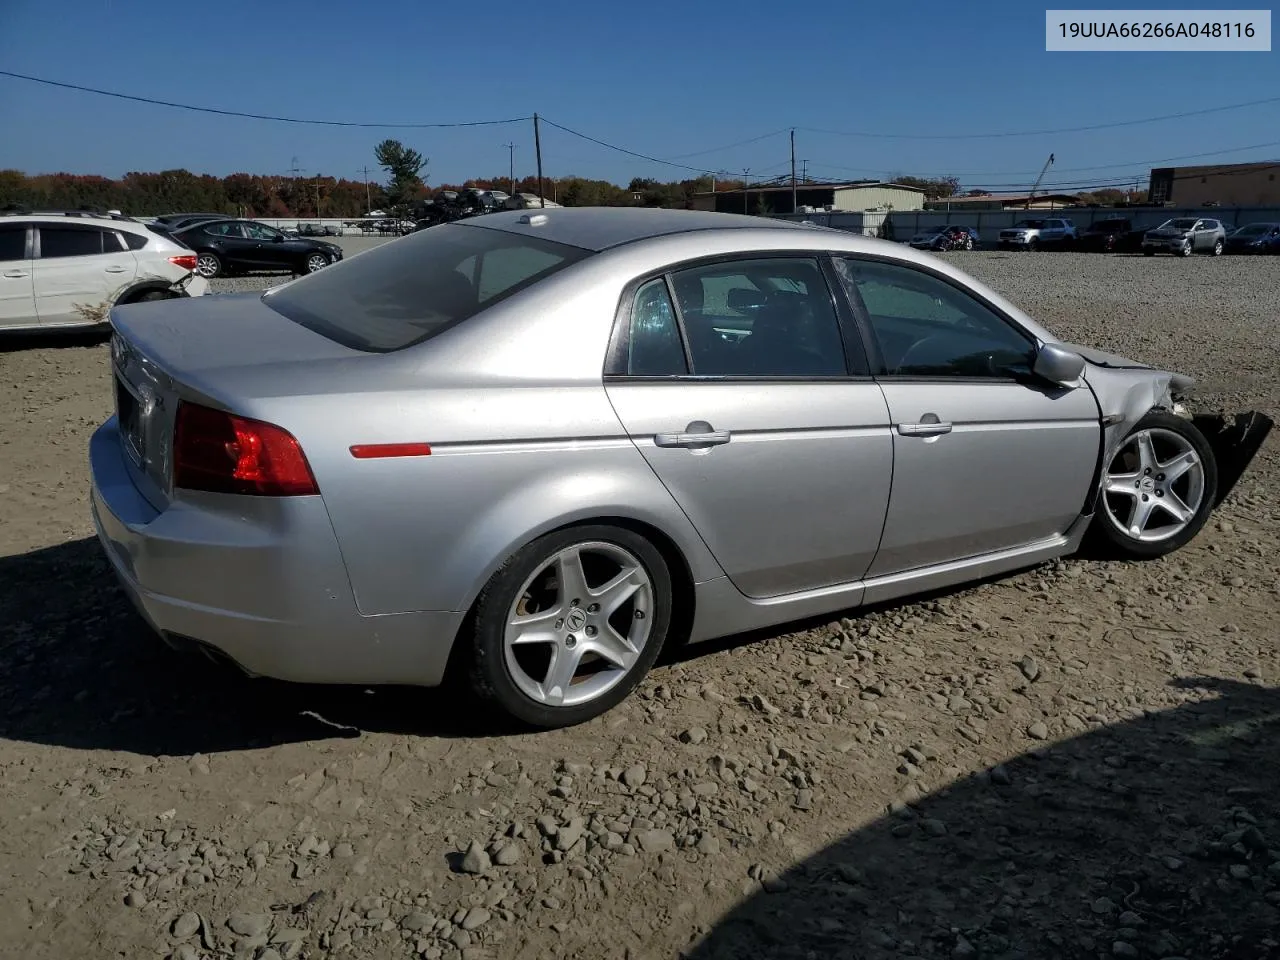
(569, 626)
(317, 262)
(1159, 487)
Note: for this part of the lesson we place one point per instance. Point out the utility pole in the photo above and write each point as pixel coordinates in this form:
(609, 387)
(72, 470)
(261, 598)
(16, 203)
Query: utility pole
(793, 170)
(368, 200)
(746, 172)
(317, 186)
(511, 166)
(537, 149)
(804, 170)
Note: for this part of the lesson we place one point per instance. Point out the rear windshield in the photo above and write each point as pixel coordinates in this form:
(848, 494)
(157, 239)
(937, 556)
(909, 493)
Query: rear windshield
(408, 290)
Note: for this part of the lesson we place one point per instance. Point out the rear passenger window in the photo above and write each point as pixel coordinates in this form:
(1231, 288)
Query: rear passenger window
(111, 242)
(135, 241)
(13, 241)
(654, 348)
(70, 242)
(760, 318)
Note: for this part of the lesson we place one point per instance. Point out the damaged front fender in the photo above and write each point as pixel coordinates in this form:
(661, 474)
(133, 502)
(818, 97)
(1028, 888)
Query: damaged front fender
(1127, 394)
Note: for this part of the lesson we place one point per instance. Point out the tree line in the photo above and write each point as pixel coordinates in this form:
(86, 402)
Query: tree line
(255, 195)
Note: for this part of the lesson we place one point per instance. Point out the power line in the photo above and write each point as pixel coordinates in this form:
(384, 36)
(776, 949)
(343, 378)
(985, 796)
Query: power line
(1040, 133)
(630, 153)
(729, 146)
(256, 116)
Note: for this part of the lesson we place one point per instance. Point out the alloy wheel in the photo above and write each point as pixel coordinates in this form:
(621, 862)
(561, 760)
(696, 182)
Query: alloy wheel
(1154, 485)
(579, 624)
(317, 261)
(207, 266)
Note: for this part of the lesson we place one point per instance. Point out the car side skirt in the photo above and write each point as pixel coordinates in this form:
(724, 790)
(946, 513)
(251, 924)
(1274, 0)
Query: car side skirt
(722, 610)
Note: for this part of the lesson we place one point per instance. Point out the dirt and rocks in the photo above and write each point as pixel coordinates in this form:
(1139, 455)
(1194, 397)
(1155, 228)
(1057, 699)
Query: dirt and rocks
(1076, 761)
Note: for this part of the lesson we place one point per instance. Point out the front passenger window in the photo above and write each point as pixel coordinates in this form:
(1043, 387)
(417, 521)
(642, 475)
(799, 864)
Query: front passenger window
(926, 327)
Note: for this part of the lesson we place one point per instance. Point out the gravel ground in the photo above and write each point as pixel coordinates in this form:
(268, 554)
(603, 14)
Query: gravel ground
(1071, 762)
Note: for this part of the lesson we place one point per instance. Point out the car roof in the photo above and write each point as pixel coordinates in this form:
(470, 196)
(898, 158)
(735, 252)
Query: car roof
(599, 228)
(96, 220)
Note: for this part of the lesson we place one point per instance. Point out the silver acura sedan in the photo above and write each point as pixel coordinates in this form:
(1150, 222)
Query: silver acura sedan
(532, 448)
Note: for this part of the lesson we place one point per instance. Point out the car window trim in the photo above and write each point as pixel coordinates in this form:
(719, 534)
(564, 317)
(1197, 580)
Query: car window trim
(614, 370)
(878, 369)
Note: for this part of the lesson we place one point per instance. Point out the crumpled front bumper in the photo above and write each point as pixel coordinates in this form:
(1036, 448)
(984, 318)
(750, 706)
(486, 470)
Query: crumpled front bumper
(1236, 440)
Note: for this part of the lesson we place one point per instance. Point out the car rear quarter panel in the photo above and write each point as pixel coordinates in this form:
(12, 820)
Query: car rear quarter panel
(507, 464)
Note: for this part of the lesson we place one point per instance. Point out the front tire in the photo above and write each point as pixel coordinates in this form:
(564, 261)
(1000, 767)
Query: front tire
(1218, 247)
(315, 263)
(1158, 489)
(570, 624)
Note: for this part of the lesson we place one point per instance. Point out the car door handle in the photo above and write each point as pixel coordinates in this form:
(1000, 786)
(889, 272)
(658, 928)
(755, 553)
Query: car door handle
(16, 274)
(934, 428)
(115, 269)
(708, 438)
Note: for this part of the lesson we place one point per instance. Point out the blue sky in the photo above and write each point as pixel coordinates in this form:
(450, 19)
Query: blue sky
(666, 79)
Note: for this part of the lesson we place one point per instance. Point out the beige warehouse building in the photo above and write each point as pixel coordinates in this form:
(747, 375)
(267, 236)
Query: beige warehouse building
(1227, 185)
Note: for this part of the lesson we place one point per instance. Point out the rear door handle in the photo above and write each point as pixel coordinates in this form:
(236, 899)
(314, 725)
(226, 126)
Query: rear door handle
(16, 274)
(935, 428)
(115, 269)
(696, 438)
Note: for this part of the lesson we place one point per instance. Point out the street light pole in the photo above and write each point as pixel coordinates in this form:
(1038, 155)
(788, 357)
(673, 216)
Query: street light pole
(511, 166)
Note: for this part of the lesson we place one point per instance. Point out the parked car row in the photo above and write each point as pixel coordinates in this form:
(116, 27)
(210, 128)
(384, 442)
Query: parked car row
(1180, 236)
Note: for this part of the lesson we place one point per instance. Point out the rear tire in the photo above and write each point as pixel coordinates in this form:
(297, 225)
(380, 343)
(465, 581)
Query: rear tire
(560, 577)
(1157, 491)
(208, 265)
(1218, 247)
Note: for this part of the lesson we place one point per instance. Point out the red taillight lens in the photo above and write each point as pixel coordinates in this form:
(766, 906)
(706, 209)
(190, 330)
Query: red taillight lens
(187, 261)
(222, 453)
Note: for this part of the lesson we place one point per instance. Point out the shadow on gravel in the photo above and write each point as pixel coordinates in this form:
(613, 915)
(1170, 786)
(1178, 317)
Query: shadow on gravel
(79, 668)
(1158, 837)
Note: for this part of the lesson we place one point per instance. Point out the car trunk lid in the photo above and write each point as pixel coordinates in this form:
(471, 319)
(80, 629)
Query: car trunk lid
(221, 350)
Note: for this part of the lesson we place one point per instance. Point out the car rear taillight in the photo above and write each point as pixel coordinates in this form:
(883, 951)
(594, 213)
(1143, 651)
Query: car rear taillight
(219, 452)
(187, 261)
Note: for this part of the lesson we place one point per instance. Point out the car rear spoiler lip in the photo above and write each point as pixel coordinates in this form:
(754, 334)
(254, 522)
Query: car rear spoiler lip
(1235, 440)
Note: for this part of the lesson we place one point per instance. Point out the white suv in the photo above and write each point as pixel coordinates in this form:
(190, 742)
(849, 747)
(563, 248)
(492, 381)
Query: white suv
(69, 269)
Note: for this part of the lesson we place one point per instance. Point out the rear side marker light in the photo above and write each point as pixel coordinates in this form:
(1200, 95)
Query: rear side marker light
(187, 261)
(376, 451)
(219, 452)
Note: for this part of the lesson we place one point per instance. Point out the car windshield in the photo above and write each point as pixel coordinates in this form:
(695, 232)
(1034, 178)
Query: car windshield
(1033, 224)
(409, 290)
(1182, 223)
(1253, 230)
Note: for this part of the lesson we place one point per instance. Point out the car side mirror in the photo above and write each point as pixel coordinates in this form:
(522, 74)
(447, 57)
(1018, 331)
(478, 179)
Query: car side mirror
(277, 238)
(1058, 365)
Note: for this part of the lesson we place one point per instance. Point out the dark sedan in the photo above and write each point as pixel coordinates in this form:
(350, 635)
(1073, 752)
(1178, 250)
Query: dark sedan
(1255, 238)
(1111, 235)
(231, 246)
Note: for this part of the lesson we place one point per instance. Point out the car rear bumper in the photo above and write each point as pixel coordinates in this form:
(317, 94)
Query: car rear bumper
(262, 584)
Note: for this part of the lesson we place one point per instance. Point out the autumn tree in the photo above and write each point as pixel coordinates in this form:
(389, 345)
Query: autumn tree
(404, 168)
